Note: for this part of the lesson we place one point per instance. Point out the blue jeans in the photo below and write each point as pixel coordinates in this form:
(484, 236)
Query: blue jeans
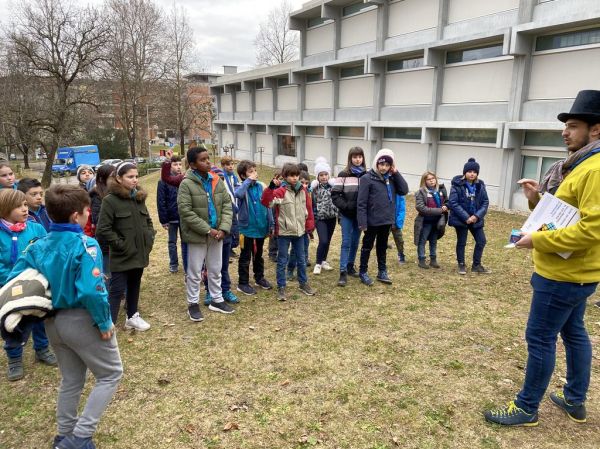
(173, 259)
(297, 244)
(428, 234)
(293, 261)
(556, 307)
(14, 346)
(461, 241)
(350, 240)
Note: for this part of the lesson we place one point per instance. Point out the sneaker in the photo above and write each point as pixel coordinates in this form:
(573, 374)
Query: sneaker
(222, 307)
(230, 297)
(423, 264)
(480, 269)
(281, 294)
(462, 269)
(73, 442)
(15, 369)
(317, 269)
(575, 412)
(325, 265)
(173, 270)
(433, 263)
(305, 288)
(511, 415)
(194, 312)
(207, 298)
(365, 279)
(264, 284)
(136, 322)
(308, 264)
(401, 259)
(46, 356)
(352, 271)
(382, 276)
(57, 440)
(246, 289)
(343, 280)
(290, 275)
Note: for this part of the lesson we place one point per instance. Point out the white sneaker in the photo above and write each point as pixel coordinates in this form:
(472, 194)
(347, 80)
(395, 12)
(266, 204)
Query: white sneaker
(317, 269)
(325, 265)
(136, 322)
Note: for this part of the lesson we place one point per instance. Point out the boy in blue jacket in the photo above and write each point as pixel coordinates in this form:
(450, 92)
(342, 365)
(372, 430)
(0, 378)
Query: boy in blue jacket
(34, 194)
(168, 215)
(81, 331)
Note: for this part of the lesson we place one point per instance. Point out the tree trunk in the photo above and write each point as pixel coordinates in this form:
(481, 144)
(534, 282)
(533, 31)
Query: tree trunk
(181, 141)
(50, 155)
(26, 160)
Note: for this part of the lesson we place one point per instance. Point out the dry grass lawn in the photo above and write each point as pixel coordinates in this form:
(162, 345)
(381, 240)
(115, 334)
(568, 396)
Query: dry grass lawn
(411, 365)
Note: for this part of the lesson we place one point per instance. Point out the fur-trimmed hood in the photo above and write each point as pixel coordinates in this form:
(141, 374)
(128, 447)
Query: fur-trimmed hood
(117, 189)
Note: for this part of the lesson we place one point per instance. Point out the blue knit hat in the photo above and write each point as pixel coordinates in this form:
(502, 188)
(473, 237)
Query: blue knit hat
(471, 165)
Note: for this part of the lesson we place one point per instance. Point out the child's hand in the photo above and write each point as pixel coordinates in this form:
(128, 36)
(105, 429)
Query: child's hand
(363, 228)
(444, 208)
(108, 334)
(169, 154)
(213, 233)
(220, 235)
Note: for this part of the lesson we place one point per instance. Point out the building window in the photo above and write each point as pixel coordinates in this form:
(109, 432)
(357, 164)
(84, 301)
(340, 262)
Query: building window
(571, 39)
(315, 21)
(402, 133)
(314, 76)
(317, 131)
(543, 139)
(286, 145)
(283, 82)
(468, 135)
(534, 167)
(284, 130)
(259, 84)
(354, 131)
(355, 8)
(260, 128)
(347, 72)
(473, 54)
(403, 64)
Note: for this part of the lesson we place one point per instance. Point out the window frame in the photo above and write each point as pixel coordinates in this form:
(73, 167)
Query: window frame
(468, 142)
(343, 136)
(361, 67)
(463, 50)
(403, 138)
(280, 139)
(362, 7)
(307, 130)
(567, 47)
(315, 73)
(403, 60)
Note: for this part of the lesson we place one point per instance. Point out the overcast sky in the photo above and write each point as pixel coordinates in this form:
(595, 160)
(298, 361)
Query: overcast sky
(224, 30)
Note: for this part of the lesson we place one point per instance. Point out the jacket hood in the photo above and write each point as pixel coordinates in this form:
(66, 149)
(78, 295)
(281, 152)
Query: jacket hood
(459, 180)
(118, 190)
(383, 152)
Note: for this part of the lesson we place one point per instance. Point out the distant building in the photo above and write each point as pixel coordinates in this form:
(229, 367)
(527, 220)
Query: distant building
(437, 81)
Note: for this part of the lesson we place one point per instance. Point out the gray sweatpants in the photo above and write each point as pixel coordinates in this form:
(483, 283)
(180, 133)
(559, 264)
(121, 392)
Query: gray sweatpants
(211, 251)
(78, 347)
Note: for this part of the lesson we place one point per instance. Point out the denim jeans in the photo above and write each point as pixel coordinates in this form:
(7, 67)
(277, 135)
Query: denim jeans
(297, 244)
(556, 307)
(350, 240)
(293, 261)
(174, 228)
(428, 234)
(14, 346)
(461, 241)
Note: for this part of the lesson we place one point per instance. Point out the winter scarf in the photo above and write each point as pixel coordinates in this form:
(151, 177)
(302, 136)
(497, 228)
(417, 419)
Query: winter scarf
(13, 229)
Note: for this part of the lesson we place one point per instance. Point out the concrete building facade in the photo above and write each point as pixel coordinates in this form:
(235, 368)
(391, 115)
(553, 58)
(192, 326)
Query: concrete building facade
(436, 81)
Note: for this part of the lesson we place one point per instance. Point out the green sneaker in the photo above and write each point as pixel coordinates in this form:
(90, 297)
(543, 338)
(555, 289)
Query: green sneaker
(511, 415)
(575, 412)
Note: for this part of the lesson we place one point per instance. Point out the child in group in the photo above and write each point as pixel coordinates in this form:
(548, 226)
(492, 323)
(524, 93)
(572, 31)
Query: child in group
(85, 173)
(34, 195)
(325, 212)
(431, 203)
(293, 219)
(272, 237)
(255, 223)
(166, 200)
(16, 233)
(126, 225)
(81, 330)
(97, 194)
(398, 226)
(292, 260)
(468, 204)
(344, 195)
(205, 213)
(7, 177)
(231, 182)
(376, 212)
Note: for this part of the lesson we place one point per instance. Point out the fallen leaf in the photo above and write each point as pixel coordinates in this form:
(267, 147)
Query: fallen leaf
(285, 383)
(277, 329)
(130, 340)
(251, 328)
(189, 428)
(230, 426)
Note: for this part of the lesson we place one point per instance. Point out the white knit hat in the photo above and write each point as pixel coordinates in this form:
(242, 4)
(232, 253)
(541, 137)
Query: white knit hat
(383, 152)
(321, 166)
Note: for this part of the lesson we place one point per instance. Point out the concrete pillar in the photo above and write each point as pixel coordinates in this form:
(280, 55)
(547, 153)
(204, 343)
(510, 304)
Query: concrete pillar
(383, 14)
(334, 13)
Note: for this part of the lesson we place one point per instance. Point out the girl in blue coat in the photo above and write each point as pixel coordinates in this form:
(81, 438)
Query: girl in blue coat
(7, 177)
(468, 204)
(16, 233)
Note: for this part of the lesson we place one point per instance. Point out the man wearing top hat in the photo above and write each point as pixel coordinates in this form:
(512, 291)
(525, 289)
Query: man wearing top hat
(561, 286)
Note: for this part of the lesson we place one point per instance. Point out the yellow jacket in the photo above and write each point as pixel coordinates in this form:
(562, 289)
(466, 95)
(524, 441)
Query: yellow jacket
(580, 188)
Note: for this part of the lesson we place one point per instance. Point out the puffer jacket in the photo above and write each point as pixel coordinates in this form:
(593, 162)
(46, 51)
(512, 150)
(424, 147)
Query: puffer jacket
(166, 202)
(125, 223)
(192, 203)
(344, 193)
(293, 210)
(421, 206)
(374, 206)
(458, 203)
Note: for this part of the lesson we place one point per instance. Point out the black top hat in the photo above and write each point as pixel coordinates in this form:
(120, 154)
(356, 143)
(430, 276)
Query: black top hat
(586, 107)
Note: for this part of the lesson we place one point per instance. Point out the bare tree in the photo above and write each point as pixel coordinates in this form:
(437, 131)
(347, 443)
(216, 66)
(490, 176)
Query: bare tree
(137, 61)
(61, 43)
(275, 42)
